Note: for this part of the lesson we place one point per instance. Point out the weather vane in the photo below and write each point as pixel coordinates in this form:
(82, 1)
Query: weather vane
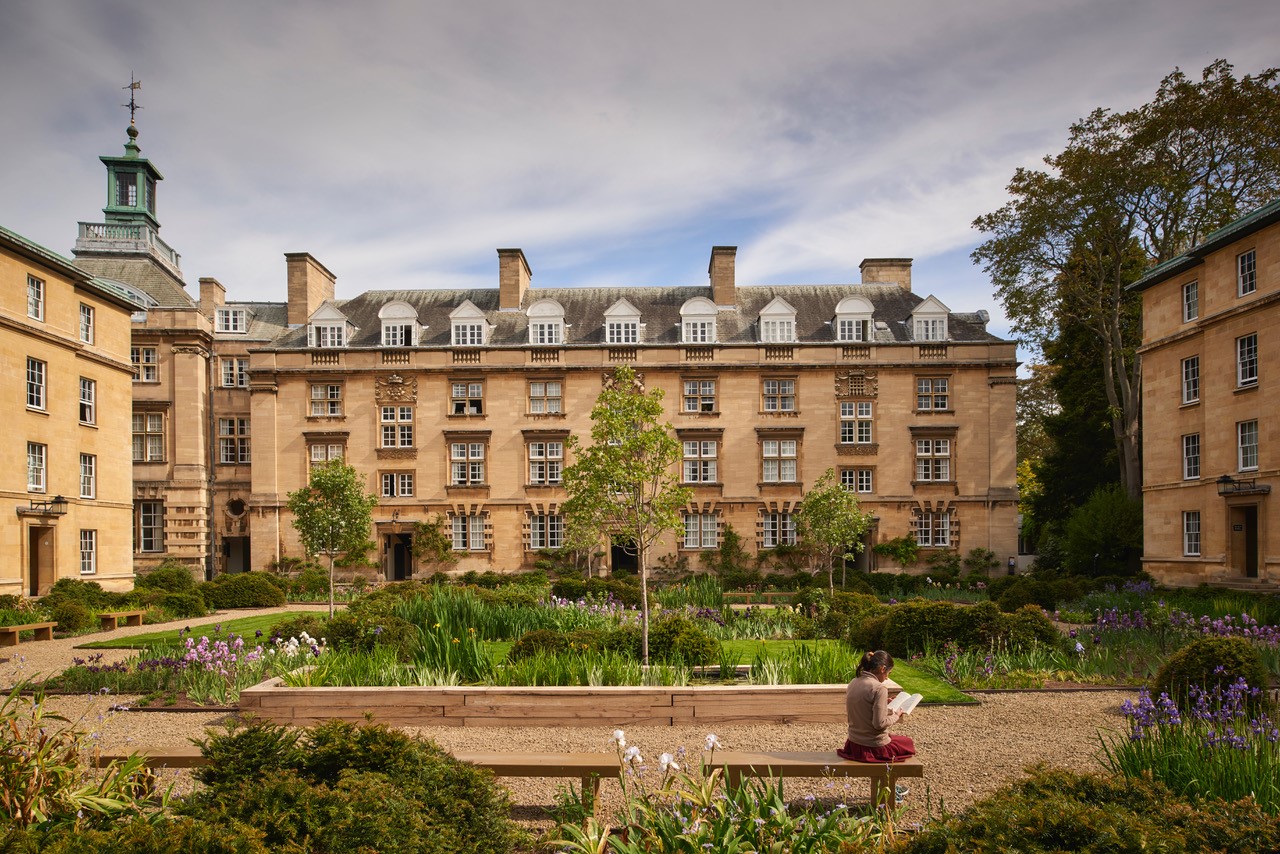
(133, 86)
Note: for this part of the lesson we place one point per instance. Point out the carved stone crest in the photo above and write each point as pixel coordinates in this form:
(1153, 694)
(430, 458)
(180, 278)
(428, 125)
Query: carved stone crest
(610, 383)
(395, 389)
(856, 383)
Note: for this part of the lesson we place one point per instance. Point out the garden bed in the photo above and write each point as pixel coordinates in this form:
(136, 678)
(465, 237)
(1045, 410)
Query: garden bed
(606, 707)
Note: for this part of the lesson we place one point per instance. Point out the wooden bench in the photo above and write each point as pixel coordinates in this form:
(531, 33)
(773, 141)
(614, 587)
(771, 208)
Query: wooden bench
(883, 776)
(111, 619)
(9, 634)
(589, 768)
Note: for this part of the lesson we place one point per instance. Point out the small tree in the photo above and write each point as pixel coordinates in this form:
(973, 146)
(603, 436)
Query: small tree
(332, 513)
(829, 526)
(433, 545)
(624, 484)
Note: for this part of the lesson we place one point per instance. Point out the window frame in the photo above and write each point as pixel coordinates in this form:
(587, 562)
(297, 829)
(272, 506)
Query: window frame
(546, 333)
(1191, 380)
(1246, 272)
(88, 476)
(782, 396)
(1247, 451)
(229, 320)
(622, 332)
(1247, 360)
(328, 335)
(933, 394)
(88, 551)
(1190, 301)
(929, 329)
(329, 451)
(701, 531)
(1191, 456)
(399, 428)
(777, 330)
(546, 467)
(148, 511)
(467, 333)
(778, 528)
(145, 439)
(145, 370)
(468, 404)
(545, 398)
(37, 384)
(88, 321)
(546, 531)
(471, 531)
(328, 404)
(472, 464)
(778, 460)
(37, 467)
(933, 529)
(934, 459)
(1191, 533)
(396, 484)
(857, 422)
(860, 481)
(700, 395)
(233, 441)
(88, 406)
(699, 461)
(235, 372)
(35, 298)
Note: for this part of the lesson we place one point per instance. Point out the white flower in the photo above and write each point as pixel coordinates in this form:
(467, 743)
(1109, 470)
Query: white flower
(1079, 647)
(667, 762)
(712, 742)
(620, 738)
(632, 755)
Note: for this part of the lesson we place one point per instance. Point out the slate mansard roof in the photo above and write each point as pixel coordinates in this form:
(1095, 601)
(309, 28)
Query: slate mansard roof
(659, 309)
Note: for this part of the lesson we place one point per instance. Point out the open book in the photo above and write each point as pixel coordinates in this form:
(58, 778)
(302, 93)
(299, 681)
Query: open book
(905, 702)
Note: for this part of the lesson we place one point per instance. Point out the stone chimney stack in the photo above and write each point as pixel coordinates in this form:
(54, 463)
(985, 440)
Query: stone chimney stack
(723, 288)
(212, 295)
(513, 278)
(310, 283)
(887, 271)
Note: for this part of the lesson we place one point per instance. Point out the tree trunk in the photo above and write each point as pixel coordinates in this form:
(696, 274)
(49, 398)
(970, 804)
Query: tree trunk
(330, 585)
(642, 559)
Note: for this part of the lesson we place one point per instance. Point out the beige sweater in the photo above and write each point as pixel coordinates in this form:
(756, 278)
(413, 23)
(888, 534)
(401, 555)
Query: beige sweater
(867, 703)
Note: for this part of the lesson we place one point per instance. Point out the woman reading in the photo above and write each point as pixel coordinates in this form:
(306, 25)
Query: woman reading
(867, 703)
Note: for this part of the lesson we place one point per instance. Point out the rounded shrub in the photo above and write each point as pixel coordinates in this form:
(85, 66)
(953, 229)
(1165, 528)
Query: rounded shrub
(314, 625)
(679, 637)
(311, 582)
(87, 593)
(1028, 627)
(869, 632)
(242, 590)
(180, 606)
(362, 632)
(1211, 663)
(171, 576)
(71, 616)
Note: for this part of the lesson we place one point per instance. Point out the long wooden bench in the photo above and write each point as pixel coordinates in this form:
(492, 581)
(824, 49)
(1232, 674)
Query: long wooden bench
(883, 776)
(9, 634)
(589, 768)
(111, 619)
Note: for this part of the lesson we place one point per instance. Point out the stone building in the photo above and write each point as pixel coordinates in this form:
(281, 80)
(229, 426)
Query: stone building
(458, 404)
(64, 343)
(1210, 421)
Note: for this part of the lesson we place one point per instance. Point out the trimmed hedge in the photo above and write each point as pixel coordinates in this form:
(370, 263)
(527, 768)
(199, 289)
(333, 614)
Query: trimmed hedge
(912, 626)
(242, 590)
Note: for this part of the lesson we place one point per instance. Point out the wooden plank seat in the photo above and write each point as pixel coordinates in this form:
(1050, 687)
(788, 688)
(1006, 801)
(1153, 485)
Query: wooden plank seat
(589, 768)
(111, 619)
(9, 634)
(883, 776)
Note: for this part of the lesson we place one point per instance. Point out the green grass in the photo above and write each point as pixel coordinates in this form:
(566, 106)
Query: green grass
(243, 626)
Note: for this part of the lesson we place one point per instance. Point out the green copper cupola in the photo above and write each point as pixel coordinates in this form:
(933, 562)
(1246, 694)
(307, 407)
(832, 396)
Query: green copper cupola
(131, 185)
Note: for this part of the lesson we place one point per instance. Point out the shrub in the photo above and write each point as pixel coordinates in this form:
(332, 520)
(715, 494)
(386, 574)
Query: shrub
(180, 606)
(278, 580)
(677, 636)
(1055, 810)
(314, 625)
(311, 582)
(1104, 535)
(847, 611)
(242, 590)
(343, 787)
(1027, 627)
(1021, 592)
(1211, 662)
(904, 550)
(361, 632)
(537, 642)
(71, 616)
(87, 593)
(913, 626)
(171, 576)
(869, 633)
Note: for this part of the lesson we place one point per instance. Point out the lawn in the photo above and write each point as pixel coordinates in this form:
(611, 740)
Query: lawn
(246, 627)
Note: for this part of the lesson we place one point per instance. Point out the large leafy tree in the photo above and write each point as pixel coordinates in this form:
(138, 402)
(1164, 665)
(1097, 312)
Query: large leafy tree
(624, 484)
(1131, 189)
(333, 514)
(830, 525)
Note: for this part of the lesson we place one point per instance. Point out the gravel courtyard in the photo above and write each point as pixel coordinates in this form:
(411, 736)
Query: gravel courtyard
(968, 751)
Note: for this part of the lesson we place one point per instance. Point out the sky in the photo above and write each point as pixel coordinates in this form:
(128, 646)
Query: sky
(401, 143)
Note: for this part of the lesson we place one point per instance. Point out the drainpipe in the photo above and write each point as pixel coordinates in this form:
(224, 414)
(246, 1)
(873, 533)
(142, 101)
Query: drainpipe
(212, 478)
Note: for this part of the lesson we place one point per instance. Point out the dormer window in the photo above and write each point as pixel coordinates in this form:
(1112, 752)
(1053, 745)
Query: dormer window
(546, 323)
(698, 321)
(778, 322)
(468, 325)
(231, 320)
(853, 319)
(399, 324)
(328, 335)
(929, 320)
(622, 323)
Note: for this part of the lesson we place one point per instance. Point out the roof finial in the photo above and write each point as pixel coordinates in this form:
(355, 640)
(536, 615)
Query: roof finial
(132, 145)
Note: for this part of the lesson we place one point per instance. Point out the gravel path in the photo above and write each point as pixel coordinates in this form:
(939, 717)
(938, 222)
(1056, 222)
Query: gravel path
(969, 751)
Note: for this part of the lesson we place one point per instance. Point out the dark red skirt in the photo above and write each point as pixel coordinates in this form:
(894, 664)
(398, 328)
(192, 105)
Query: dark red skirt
(899, 747)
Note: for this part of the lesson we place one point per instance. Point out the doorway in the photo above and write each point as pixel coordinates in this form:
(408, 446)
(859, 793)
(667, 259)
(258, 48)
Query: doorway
(398, 549)
(1244, 540)
(39, 560)
(235, 550)
(624, 556)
